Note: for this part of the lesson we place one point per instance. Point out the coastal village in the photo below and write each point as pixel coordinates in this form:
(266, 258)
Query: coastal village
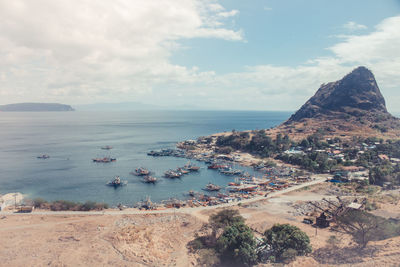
(338, 193)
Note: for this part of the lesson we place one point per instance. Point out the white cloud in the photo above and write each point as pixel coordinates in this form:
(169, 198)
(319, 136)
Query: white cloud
(82, 49)
(352, 26)
(99, 51)
(285, 88)
(228, 14)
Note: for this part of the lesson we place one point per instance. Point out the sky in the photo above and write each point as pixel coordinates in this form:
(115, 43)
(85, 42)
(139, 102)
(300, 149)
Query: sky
(209, 54)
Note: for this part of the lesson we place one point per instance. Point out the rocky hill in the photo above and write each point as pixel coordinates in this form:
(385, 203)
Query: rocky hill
(36, 107)
(356, 94)
(353, 105)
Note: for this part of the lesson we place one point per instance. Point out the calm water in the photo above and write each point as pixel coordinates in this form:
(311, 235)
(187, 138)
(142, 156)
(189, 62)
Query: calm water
(72, 139)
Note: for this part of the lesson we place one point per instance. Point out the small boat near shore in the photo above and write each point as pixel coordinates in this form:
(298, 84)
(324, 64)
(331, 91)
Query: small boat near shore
(44, 156)
(230, 171)
(216, 166)
(212, 187)
(191, 168)
(117, 182)
(182, 170)
(172, 174)
(106, 147)
(104, 160)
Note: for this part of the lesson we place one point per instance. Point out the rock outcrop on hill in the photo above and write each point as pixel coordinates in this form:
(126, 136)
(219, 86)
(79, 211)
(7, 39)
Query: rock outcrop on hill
(356, 94)
(351, 106)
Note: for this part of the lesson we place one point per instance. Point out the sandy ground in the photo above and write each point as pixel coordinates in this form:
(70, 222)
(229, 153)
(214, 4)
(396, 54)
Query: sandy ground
(160, 239)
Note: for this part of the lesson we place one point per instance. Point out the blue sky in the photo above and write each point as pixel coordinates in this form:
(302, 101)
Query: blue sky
(210, 54)
(282, 32)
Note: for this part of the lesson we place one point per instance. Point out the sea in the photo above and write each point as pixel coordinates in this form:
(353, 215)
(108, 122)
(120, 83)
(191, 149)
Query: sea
(73, 139)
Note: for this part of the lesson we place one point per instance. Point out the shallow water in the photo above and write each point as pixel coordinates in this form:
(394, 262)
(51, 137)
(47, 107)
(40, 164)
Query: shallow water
(72, 139)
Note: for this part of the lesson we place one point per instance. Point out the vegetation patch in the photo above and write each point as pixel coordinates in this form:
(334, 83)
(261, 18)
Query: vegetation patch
(230, 242)
(63, 205)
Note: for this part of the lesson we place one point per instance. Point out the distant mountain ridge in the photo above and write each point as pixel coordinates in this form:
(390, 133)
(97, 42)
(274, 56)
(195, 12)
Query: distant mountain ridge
(35, 107)
(132, 106)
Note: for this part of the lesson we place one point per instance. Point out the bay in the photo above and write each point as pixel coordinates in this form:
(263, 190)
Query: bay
(73, 139)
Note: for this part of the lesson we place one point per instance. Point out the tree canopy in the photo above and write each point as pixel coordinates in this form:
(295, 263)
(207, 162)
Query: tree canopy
(237, 245)
(285, 242)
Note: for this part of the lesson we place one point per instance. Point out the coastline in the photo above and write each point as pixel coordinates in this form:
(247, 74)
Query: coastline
(185, 210)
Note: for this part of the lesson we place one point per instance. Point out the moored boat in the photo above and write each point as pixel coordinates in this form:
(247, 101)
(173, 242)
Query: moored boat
(116, 182)
(182, 170)
(149, 179)
(172, 174)
(44, 156)
(212, 187)
(192, 168)
(230, 171)
(141, 172)
(215, 166)
(104, 160)
(106, 147)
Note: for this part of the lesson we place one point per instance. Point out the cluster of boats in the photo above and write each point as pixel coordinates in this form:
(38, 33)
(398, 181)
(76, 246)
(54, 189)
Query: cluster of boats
(188, 168)
(225, 169)
(145, 174)
(166, 153)
(147, 178)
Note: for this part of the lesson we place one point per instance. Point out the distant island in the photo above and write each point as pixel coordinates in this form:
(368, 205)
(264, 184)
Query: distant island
(35, 107)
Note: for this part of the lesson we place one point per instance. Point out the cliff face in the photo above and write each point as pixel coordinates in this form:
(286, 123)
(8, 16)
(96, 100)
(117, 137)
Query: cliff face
(356, 94)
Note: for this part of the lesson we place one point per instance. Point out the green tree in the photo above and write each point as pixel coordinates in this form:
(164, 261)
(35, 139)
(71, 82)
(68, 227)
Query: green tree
(237, 245)
(223, 219)
(285, 239)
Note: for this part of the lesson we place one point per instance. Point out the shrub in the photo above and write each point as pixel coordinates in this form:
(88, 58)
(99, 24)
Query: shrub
(237, 245)
(38, 202)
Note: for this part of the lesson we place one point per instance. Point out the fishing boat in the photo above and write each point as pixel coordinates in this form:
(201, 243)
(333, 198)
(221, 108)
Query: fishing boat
(104, 160)
(172, 174)
(230, 171)
(212, 187)
(149, 179)
(141, 172)
(117, 182)
(182, 170)
(44, 156)
(215, 166)
(192, 168)
(106, 147)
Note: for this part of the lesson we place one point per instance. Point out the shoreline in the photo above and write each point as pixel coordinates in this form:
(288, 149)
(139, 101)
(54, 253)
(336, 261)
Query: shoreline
(184, 210)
